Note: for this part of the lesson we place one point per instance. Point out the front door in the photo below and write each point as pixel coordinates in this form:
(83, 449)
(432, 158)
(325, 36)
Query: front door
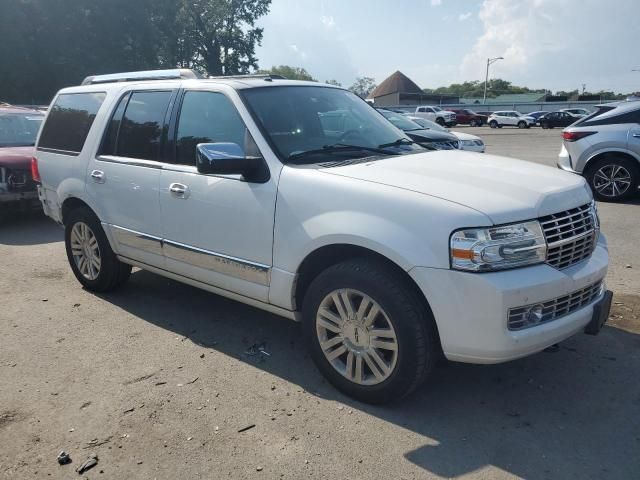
(125, 175)
(216, 229)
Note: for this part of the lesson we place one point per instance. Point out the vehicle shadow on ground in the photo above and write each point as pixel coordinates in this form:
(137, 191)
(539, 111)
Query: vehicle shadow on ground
(568, 414)
(29, 229)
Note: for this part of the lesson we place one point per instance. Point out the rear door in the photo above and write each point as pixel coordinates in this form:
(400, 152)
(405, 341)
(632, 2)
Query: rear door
(124, 177)
(217, 229)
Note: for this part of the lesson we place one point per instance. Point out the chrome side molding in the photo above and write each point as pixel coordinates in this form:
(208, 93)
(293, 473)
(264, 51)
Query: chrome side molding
(198, 257)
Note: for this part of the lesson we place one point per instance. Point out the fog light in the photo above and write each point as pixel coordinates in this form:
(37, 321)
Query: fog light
(533, 314)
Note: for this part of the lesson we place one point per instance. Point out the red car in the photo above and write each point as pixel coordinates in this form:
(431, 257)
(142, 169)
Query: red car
(18, 130)
(469, 117)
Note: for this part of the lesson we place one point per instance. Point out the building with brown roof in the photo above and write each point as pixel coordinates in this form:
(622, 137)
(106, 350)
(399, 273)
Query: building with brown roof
(398, 89)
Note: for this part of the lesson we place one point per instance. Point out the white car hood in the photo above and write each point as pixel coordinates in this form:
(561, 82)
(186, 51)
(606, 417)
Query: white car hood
(504, 189)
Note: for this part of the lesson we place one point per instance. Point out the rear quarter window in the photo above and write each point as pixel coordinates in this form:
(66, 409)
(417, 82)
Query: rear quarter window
(69, 122)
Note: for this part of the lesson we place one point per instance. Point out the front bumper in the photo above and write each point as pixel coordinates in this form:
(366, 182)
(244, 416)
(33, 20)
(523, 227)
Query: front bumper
(471, 309)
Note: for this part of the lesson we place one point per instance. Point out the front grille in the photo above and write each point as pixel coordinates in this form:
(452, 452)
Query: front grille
(570, 235)
(554, 309)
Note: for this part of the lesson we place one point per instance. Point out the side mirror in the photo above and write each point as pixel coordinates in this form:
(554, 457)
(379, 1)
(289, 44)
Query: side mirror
(225, 158)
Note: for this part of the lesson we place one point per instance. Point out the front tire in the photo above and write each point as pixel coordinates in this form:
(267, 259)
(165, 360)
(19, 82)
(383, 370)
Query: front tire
(522, 124)
(613, 178)
(440, 121)
(473, 123)
(90, 256)
(368, 331)
(493, 124)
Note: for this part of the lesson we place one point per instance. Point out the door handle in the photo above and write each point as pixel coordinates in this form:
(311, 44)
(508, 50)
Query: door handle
(179, 190)
(98, 176)
(637, 135)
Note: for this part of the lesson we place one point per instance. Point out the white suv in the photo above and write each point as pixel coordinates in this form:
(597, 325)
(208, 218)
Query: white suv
(510, 118)
(300, 199)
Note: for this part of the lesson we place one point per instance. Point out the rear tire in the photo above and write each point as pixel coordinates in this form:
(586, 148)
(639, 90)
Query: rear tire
(613, 178)
(493, 124)
(92, 261)
(340, 326)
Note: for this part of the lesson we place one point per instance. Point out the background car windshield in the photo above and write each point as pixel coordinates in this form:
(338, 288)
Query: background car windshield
(17, 130)
(400, 121)
(428, 124)
(298, 119)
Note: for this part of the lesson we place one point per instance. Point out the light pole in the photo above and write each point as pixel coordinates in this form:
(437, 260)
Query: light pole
(486, 78)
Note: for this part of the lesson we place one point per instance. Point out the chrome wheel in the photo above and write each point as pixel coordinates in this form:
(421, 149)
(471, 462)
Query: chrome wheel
(85, 251)
(612, 180)
(356, 337)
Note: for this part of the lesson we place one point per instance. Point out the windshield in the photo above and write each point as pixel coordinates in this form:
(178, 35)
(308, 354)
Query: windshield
(437, 109)
(400, 121)
(429, 125)
(301, 119)
(19, 129)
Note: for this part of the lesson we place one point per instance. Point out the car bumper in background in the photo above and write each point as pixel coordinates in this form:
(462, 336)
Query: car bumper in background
(564, 160)
(472, 309)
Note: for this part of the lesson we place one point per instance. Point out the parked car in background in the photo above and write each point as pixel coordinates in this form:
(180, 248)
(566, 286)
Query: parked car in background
(557, 119)
(538, 114)
(605, 148)
(391, 256)
(580, 112)
(18, 130)
(466, 141)
(429, 138)
(510, 118)
(435, 114)
(469, 117)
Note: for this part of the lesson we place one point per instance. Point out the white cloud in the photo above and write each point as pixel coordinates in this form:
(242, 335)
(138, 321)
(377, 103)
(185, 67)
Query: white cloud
(436, 3)
(553, 44)
(464, 16)
(328, 22)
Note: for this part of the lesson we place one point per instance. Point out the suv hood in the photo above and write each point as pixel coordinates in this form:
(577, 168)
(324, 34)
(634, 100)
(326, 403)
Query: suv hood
(16, 157)
(504, 189)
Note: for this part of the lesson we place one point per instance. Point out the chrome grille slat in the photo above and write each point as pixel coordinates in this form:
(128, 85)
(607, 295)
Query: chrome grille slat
(555, 308)
(570, 236)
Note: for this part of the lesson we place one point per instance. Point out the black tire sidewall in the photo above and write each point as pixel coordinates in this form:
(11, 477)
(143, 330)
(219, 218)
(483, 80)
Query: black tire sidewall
(401, 381)
(493, 124)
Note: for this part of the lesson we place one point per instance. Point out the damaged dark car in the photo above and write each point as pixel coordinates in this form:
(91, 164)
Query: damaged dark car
(18, 131)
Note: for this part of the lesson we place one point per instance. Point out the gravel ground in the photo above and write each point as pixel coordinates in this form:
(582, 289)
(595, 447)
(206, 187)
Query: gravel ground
(159, 379)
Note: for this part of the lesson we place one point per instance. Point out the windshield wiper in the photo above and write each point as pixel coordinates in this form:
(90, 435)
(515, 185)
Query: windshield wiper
(398, 142)
(339, 147)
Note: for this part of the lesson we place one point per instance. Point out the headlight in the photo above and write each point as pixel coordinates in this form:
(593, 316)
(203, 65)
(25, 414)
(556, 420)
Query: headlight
(497, 248)
(470, 143)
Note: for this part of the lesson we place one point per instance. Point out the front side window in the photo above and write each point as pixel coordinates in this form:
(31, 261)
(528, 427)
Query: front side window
(297, 119)
(209, 117)
(142, 127)
(19, 129)
(69, 121)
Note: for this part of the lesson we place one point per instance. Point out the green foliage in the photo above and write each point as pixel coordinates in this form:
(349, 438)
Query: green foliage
(333, 82)
(363, 86)
(475, 88)
(291, 73)
(49, 44)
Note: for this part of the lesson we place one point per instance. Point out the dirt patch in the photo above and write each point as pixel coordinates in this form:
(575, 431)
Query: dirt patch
(49, 274)
(8, 417)
(625, 313)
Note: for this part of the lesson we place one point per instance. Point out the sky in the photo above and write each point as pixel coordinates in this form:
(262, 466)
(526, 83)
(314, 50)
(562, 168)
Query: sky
(554, 44)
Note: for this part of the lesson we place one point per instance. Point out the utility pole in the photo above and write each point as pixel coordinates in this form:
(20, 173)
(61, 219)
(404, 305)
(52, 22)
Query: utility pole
(486, 78)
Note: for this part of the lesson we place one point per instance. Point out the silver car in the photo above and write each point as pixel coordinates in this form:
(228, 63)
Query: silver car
(605, 148)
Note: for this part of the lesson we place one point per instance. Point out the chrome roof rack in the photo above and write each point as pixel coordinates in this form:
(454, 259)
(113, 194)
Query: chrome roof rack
(266, 76)
(170, 74)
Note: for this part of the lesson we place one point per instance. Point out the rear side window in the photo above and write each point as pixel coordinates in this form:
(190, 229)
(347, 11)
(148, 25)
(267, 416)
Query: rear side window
(69, 122)
(137, 127)
(600, 119)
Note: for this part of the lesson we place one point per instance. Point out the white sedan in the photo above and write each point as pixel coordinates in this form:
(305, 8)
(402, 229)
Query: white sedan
(466, 141)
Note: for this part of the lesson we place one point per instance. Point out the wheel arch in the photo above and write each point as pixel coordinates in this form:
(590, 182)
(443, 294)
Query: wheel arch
(69, 205)
(324, 257)
(617, 152)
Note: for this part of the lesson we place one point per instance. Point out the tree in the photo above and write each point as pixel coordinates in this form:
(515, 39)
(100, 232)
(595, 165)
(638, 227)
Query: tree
(333, 82)
(291, 73)
(363, 86)
(219, 37)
